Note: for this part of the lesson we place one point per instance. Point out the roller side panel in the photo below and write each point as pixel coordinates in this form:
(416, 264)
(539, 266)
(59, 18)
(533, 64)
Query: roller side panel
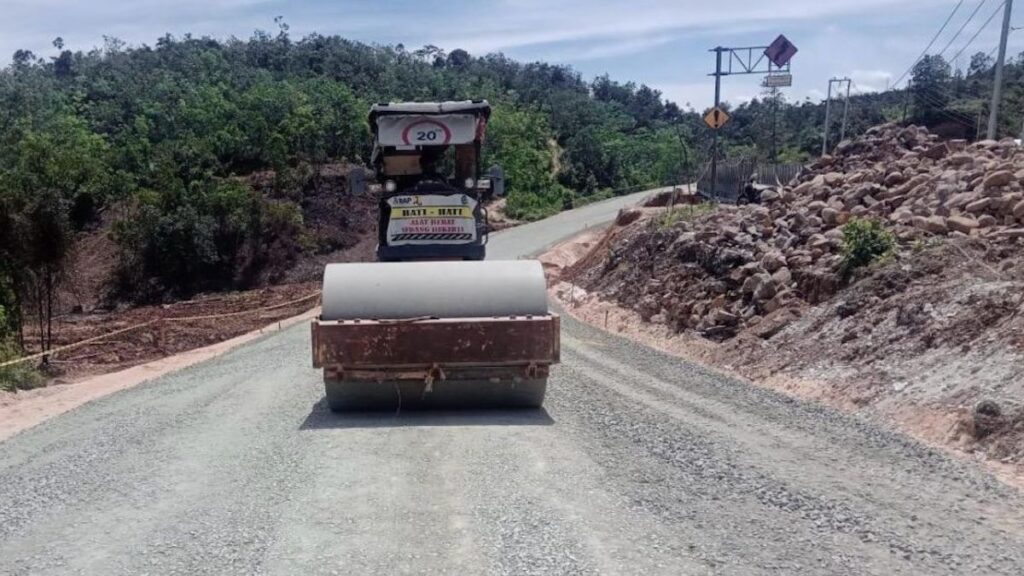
(356, 395)
(347, 345)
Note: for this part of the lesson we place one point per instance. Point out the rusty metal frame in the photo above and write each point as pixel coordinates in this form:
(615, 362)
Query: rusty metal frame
(748, 60)
(417, 348)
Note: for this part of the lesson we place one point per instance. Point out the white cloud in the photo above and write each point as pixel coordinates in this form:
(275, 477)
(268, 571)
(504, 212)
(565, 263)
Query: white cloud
(609, 47)
(518, 23)
(700, 95)
(870, 80)
(635, 41)
(686, 95)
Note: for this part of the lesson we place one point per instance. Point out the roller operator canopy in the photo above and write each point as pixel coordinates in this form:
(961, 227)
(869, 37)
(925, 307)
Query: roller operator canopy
(429, 123)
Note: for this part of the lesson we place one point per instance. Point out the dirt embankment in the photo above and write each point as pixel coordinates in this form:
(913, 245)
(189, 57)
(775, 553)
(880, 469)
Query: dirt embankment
(930, 337)
(339, 227)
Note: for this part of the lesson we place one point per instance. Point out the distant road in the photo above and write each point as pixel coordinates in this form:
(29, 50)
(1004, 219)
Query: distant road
(536, 237)
(641, 463)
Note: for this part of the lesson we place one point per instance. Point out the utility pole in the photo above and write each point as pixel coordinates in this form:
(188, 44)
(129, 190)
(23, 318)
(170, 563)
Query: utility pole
(714, 137)
(775, 123)
(846, 110)
(906, 99)
(997, 87)
(828, 110)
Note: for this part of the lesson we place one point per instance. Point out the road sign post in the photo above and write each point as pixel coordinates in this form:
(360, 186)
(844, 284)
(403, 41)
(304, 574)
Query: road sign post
(714, 136)
(747, 60)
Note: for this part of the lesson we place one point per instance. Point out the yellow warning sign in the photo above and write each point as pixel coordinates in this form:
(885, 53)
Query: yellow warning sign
(716, 118)
(433, 212)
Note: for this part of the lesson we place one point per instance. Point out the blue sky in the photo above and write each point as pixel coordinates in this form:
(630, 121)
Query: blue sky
(662, 43)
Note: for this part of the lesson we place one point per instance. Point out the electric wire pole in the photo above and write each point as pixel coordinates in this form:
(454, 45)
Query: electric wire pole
(828, 111)
(846, 110)
(997, 86)
(714, 137)
(824, 130)
(906, 98)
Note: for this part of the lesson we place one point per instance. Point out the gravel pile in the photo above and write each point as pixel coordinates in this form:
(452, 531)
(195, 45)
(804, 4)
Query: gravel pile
(720, 270)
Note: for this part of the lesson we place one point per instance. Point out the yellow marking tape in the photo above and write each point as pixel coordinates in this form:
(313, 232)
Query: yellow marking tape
(151, 322)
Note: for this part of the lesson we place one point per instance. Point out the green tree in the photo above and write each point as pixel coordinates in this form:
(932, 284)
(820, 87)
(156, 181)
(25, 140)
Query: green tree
(518, 141)
(930, 87)
(57, 181)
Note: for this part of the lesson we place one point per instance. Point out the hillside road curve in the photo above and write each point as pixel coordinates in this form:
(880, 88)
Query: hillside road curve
(640, 463)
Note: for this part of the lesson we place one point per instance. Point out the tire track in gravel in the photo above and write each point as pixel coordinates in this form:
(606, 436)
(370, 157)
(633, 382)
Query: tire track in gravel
(641, 464)
(884, 519)
(199, 500)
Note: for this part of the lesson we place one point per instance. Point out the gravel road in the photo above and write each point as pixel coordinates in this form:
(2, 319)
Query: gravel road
(640, 464)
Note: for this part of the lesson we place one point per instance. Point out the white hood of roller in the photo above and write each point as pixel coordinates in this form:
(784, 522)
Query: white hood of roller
(396, 290)
(426, 129)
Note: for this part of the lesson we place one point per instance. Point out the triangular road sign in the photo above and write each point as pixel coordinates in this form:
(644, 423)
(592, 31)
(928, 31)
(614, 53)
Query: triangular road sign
(716, 118)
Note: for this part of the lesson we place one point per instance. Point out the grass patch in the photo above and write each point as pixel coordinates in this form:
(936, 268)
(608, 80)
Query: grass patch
(686, 213)
(21, 376)
(580, 201)
(865, 241)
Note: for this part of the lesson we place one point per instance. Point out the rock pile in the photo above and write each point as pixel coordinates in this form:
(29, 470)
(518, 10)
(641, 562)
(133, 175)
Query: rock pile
(911, 178)
(728, 268)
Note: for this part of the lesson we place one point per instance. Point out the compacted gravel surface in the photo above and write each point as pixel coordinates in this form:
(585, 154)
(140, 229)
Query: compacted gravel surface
(640, 463)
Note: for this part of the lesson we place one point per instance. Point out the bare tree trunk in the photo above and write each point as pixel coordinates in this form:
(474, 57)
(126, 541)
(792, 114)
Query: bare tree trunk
(20, 319)
(40, 321)
(49, 309)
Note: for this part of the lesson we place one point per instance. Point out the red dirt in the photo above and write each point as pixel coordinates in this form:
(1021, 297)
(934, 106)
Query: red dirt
(925, 374)
(341, 227)
(164, 338)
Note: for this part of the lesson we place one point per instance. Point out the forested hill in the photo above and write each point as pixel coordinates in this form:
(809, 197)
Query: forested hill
(185, 112)
(173, 134)
(162, 145)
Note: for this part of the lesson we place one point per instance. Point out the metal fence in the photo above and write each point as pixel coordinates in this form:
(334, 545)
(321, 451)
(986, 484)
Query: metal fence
(732, 176)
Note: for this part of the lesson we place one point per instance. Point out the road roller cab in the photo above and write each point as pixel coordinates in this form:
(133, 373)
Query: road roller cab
(430, 325)
(427, 157)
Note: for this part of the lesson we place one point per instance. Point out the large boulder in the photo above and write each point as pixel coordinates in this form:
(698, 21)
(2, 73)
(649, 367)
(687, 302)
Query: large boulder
(931, 224)
(963, 224)
(998, 179)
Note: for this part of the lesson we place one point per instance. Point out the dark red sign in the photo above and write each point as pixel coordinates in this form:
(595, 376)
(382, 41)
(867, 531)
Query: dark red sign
(780, 51)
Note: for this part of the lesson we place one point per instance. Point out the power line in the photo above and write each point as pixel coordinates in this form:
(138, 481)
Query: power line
(954, 115)
(979, 31)
(996, 47)
(934, 38)
(943, 107)
(949, 113)
(962, 27)
(931, 98)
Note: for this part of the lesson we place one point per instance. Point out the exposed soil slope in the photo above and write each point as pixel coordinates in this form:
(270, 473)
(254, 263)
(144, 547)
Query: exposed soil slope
(930, 336)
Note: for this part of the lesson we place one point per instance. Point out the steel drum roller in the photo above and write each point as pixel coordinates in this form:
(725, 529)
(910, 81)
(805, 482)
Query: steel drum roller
(396, 290)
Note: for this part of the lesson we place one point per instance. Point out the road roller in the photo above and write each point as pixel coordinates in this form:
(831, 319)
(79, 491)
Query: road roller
(431, 323)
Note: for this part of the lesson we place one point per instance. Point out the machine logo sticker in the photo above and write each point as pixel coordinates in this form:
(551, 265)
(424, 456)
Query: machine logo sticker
(431, 219)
